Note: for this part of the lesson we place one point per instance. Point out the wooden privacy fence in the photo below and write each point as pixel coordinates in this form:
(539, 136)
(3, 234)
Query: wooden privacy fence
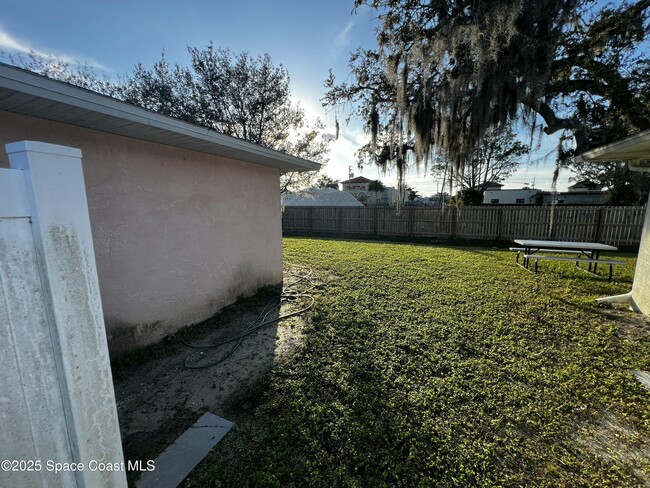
(610, 225)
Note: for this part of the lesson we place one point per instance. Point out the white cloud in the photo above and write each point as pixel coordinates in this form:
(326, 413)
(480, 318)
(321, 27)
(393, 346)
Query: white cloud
(8, 42)
(342, 40)
(341, 156)
(13, 45)
(306, 100)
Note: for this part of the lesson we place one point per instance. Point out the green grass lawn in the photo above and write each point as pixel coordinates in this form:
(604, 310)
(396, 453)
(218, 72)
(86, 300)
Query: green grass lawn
(443, 366)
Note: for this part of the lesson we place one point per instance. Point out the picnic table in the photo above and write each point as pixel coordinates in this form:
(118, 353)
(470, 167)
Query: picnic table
(583, 252)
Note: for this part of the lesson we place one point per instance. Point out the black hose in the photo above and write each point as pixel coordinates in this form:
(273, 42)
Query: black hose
(289, 294)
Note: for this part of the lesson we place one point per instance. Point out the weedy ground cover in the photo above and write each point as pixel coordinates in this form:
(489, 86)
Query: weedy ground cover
(442, 366)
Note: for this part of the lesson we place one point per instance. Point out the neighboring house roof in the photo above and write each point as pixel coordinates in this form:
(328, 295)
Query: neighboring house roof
(513, 190)
(320, 197)
(491, 184)
(588, 185)
(358, 179)
(27, 93)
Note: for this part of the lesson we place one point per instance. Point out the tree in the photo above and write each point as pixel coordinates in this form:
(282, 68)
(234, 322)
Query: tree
(235, 94)
(165, 89)
(494, 160)
(376, 186)
(468, 197)
(325, 181)
(446, 72)
(411, 194)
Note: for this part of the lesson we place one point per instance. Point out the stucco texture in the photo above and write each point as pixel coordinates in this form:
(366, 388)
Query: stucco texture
(178, 234)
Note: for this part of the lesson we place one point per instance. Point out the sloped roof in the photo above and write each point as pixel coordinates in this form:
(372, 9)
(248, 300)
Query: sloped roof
(586, 184)
(27, 93)
(358, 179)
(320, 197)
(490, 185)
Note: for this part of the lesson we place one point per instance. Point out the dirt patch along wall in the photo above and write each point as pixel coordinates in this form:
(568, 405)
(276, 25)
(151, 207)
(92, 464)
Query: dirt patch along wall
(178, 234)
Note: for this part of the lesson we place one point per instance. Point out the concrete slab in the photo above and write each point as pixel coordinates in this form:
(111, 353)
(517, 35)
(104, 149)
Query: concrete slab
(180, 458)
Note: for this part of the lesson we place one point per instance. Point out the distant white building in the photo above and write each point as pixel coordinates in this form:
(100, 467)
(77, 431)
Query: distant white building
(582, 193)
(387, 197)
(523, 196)
(574, 197)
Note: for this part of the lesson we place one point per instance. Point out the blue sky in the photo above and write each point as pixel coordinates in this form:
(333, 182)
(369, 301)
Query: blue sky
(307, 37)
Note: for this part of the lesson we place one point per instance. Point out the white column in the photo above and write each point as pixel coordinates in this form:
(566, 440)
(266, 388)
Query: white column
(641, 284)
(66, 259)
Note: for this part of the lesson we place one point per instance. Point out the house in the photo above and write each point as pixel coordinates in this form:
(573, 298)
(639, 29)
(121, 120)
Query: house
(577, 195)
(581, 193)
(491, 185)
(388, 196)
(358, 187)
(636, 151)
(184, 219)
(574, 197)
(522, 196)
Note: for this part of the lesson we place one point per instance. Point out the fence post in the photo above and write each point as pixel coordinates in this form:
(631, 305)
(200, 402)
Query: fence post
(375, 218)
(599, 225)
(499, 222)
(66, 400)
(410, 222)
(454, 220)
(311, 220)
(339, 218)
(551, 224)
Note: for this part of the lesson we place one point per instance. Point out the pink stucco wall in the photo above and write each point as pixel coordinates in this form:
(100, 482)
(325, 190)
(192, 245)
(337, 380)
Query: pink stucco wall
(178, 234)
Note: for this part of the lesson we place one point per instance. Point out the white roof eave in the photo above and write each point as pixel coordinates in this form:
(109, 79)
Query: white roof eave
(634, 148)
(30, 94)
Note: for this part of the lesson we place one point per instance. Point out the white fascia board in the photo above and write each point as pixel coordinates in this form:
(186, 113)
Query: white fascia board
(632, 148)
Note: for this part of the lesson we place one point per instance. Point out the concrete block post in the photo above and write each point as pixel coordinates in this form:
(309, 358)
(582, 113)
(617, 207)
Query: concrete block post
(65, 261)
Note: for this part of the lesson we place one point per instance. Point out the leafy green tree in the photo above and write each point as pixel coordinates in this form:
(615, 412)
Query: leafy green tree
(165, 89)
(376, 186)
(325, 181)
(411, 194)
(469, 196)
(495, 158)
(447, 72)
(235, 94)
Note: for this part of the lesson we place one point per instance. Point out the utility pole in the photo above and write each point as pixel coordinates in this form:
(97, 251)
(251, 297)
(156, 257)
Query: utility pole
(350, 176)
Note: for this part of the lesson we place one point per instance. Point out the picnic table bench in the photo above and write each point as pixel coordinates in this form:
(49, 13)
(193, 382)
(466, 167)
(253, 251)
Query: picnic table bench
(584, 252)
